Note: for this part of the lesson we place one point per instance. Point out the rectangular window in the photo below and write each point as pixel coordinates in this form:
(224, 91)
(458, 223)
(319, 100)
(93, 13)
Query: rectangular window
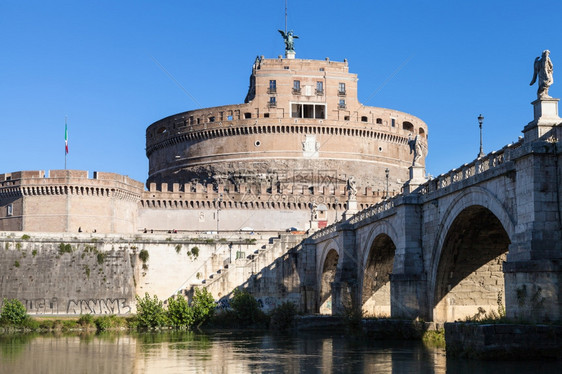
(393, 122)
(10, 210)
(342, 104)
(297, 86)
(272, 101)
(319, 88)
(272, 86)
(317, 111)
(341, 89)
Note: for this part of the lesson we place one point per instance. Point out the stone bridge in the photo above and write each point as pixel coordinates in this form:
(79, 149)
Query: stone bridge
(483, 238)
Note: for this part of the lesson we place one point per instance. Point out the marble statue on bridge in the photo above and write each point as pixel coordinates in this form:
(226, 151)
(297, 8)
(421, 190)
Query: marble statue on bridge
(543, 71)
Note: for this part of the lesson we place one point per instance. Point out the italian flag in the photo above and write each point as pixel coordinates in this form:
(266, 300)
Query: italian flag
(65, 137)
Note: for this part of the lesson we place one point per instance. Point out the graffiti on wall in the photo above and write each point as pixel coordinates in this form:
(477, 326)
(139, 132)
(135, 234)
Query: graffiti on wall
(73, 306)
(98, 306)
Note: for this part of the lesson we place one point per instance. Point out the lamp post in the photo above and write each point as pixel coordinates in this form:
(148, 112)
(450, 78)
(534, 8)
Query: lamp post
(480, 121)
(336, 207)
(386, 172)
(230, 255)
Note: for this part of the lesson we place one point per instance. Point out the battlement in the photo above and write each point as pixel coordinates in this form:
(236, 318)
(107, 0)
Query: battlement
(68, 178)
(249, 195)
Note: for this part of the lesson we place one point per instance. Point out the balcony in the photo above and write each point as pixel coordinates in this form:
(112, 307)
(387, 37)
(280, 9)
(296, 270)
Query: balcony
(272, 90)
(341, 93)
(296, 91)
(319, 92)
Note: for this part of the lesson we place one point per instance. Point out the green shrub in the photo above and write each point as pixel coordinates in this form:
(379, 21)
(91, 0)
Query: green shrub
(150, 312)
(34, 252)
(195, 252)
(25, 237)
(103, 323)
(245, 307)
(69, 324)
(46, 324)
(30, 323)
(65, 248)
(203, 305)
(283, 316)
(434, 338)
(100, 257)
(178, 248)
(86, 320)
(17, 263)
(143, 255)
(13, 312)
(179, 313)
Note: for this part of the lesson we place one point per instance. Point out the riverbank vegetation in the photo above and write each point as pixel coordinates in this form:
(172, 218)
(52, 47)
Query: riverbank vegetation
(243, 313)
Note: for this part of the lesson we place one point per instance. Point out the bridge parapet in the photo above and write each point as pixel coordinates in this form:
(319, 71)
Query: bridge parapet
(324, 232)
(374, 210)
(478, 166)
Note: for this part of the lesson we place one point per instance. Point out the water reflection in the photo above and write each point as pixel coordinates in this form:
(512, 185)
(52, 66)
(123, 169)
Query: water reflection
(233, 352)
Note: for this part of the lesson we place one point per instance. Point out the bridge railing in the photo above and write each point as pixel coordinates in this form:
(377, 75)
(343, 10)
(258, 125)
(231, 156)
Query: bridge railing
(358, 217)
(325, 231)
(480, 165)
(373, 210)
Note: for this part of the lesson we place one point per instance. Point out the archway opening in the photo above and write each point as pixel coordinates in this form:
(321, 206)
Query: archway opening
(376, 277)
(328, 275)
(470, 281)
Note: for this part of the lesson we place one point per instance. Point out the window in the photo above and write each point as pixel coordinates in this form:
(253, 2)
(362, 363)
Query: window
(342, 104)
(10, 210)
(247, 115)
(296, 87)
(319, 88)
(408, 126)
(212, 119)
(272, 101)
(364, 119)
(272, 86)
(379, 121)
(229, 118)
(321, 69)
(393, 122)
(341, 89)
(317, 111)
(286, 67)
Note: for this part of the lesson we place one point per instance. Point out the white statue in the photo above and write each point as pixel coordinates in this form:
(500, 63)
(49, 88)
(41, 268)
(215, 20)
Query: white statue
(351, 188)
(314, 212)
(543, 70)
(417, 148)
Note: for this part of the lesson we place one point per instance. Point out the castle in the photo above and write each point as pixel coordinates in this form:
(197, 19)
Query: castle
(280, 160)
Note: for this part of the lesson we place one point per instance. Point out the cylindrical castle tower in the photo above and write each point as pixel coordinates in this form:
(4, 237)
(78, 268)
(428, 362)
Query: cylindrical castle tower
(301, 124)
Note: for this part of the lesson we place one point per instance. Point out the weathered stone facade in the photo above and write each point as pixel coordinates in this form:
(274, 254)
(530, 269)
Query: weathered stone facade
(301, 124)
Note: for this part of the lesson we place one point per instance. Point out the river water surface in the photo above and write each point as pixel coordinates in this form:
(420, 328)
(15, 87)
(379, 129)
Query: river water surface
(236, 352)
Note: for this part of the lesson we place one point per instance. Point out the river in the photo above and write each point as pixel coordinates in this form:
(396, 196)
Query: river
(236, 352)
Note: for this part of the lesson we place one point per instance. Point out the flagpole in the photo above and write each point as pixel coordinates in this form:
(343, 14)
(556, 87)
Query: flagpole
(65, 141)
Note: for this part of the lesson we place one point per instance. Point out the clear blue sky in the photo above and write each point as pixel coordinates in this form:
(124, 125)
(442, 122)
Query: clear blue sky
(443, 61)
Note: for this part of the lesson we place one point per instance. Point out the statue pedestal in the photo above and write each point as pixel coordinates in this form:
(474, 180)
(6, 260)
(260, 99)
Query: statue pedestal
(314, 225)
(290, 55)
(417, 178)
(351, 209)
(546, 116)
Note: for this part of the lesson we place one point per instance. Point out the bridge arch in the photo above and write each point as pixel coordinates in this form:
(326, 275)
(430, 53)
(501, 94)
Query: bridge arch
(376, 266)
(466, 277)
(326, 269)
